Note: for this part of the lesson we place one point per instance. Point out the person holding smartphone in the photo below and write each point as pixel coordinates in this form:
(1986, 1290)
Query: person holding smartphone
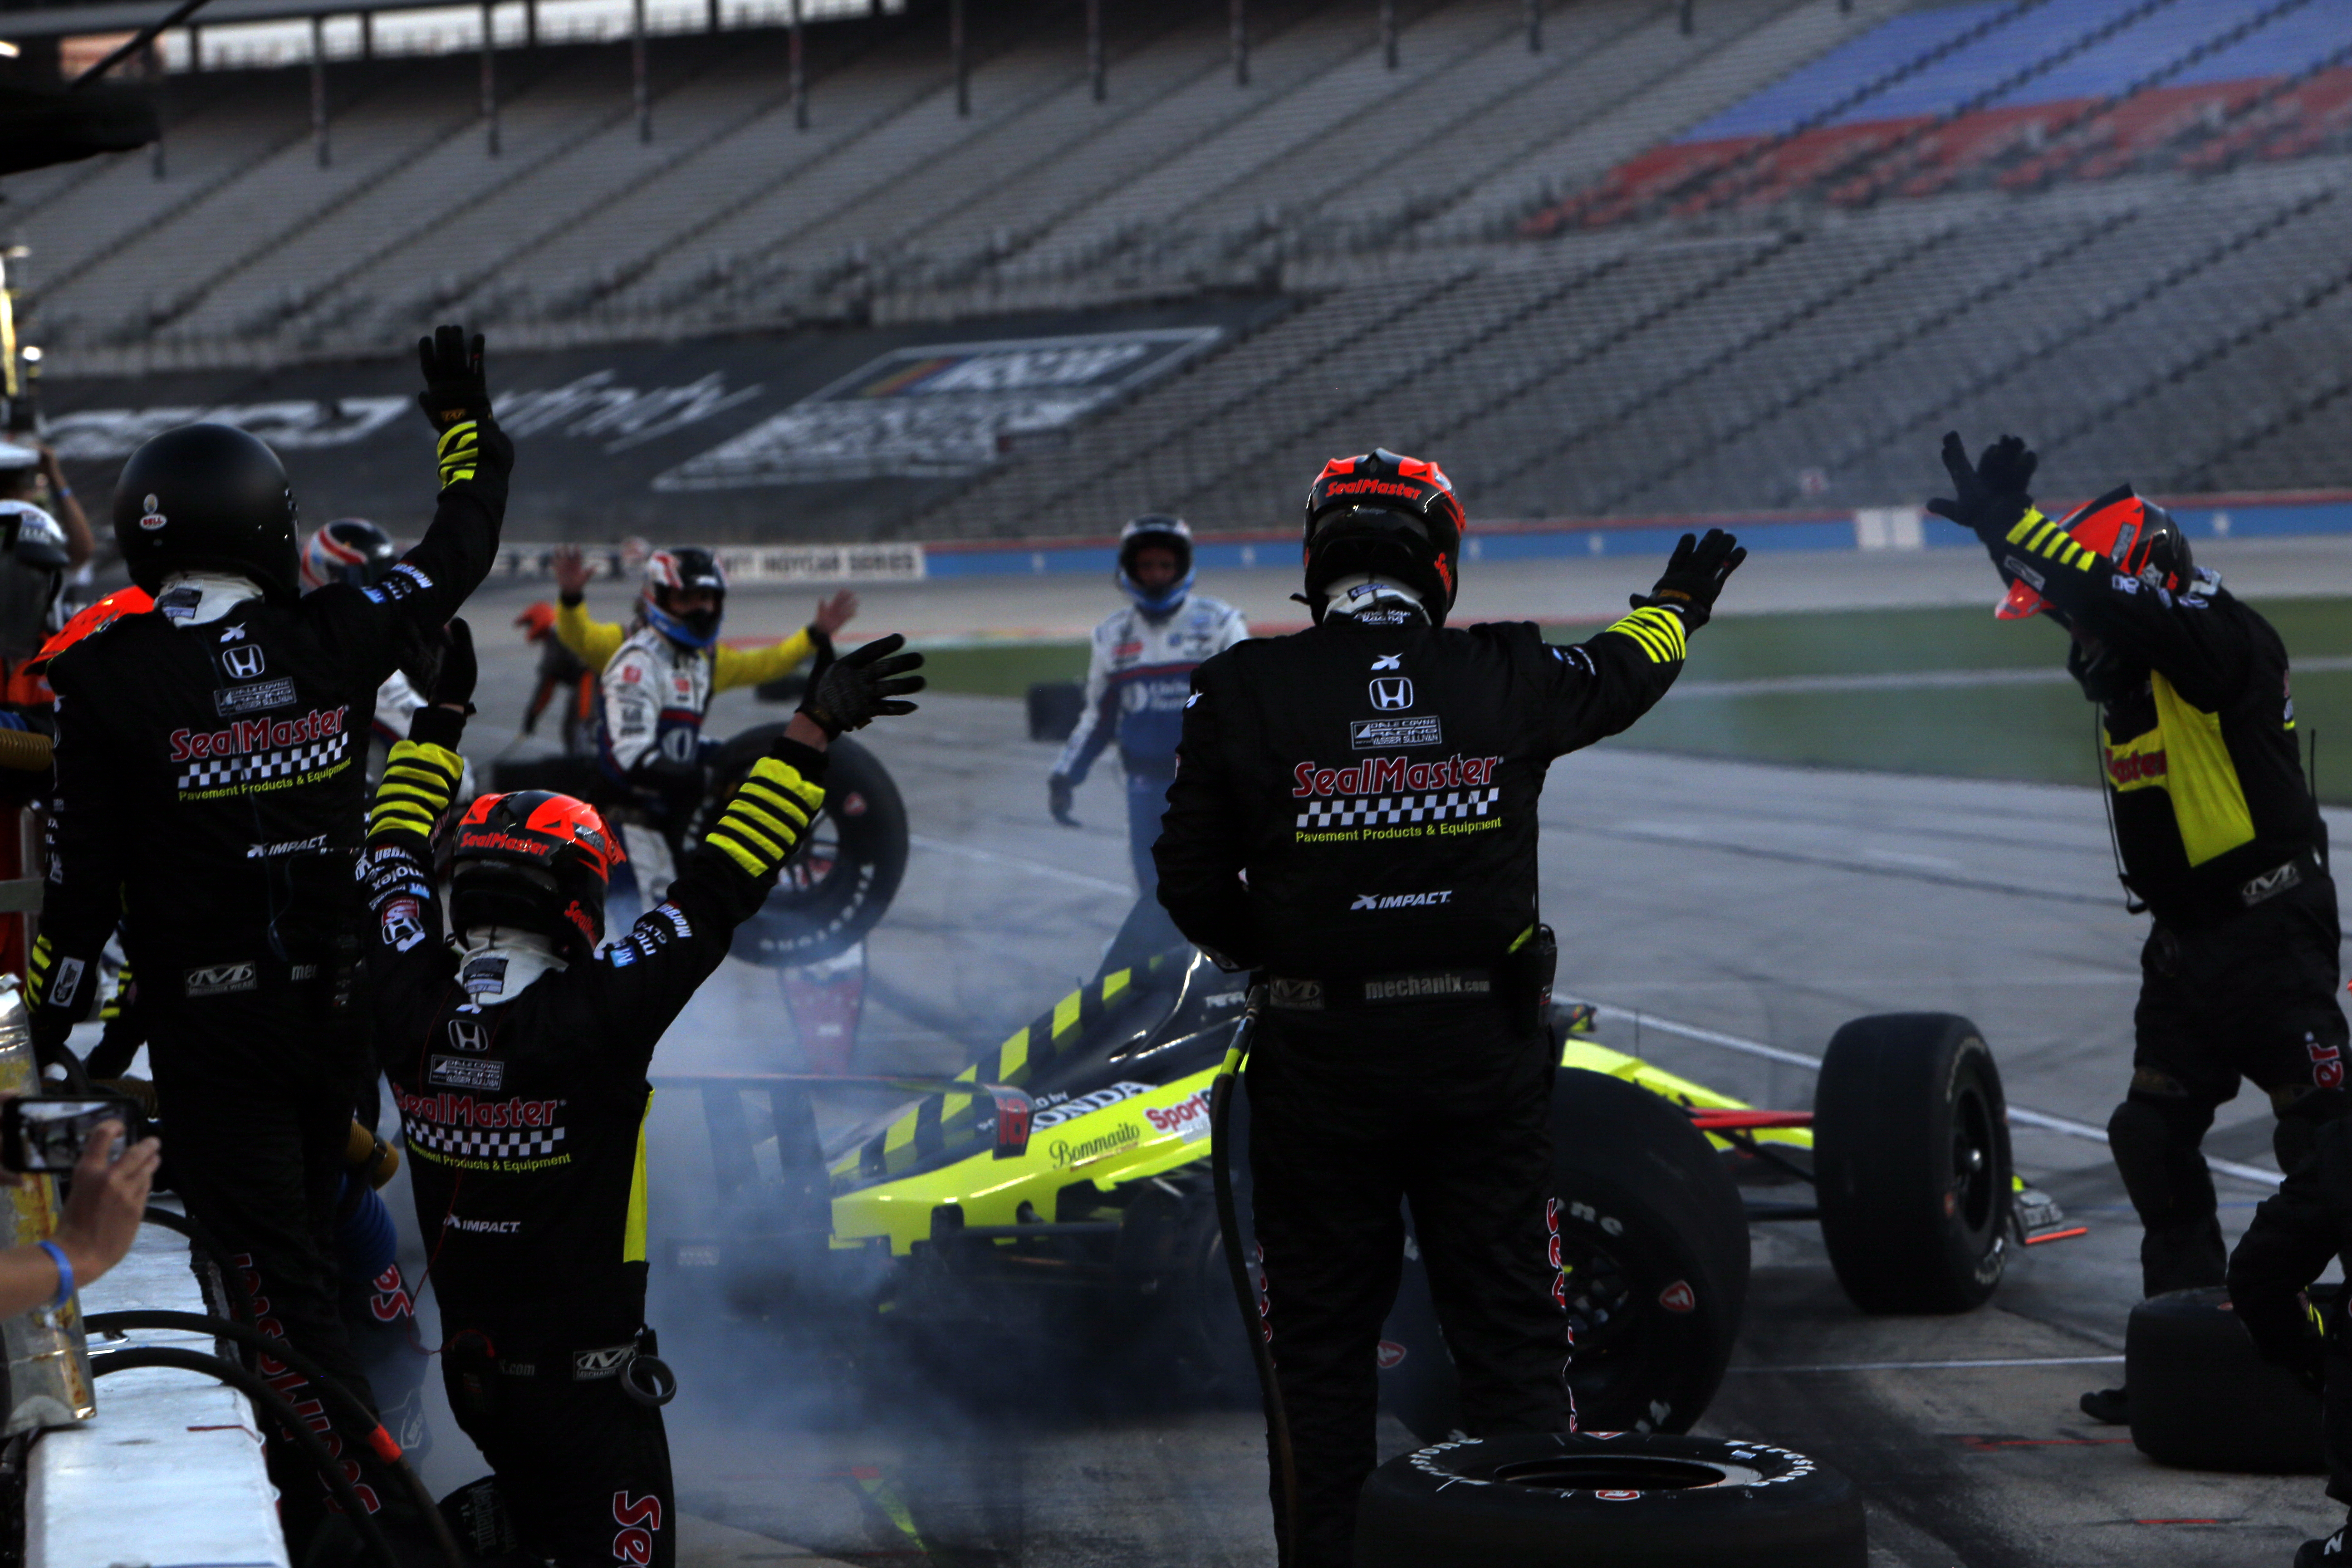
(103, 1206)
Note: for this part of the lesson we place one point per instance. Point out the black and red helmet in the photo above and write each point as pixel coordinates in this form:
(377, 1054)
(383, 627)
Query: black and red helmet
(1392, 516)
(2138, 537)
(537, 861)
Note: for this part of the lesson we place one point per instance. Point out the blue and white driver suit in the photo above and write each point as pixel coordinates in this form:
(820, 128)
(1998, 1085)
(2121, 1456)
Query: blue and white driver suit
(1137, 680)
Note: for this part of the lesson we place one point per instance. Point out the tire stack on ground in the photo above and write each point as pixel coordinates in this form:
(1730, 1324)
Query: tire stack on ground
(1608, 1500)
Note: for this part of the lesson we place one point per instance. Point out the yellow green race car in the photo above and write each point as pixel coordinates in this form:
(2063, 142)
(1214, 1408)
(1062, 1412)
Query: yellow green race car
(1058, 1190)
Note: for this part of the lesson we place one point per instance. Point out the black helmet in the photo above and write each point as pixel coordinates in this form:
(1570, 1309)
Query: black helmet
(1156, 530)
(677, 571)
(537, 861)
(206, 498)
(349, 550)
(1390, 515)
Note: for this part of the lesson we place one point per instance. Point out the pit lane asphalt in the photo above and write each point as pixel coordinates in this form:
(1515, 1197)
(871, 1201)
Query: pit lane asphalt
(1765, 903)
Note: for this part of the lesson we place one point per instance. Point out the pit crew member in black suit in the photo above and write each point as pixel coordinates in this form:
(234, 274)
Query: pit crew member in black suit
(210, 755)
(2218, 834)
(1354, 818)
(519, 1064)
(2292, 1239)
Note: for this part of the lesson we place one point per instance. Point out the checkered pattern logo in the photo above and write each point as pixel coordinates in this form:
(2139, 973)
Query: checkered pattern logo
(255, 767)
(1366, 811)
(486, 1143)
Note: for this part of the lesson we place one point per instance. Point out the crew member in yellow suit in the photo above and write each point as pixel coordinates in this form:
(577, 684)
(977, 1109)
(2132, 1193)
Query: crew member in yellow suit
(2217, 836)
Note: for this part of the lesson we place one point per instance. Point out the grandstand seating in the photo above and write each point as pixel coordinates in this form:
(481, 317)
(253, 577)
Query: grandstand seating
(1763, 263)
(729, 214)
(2010, 93)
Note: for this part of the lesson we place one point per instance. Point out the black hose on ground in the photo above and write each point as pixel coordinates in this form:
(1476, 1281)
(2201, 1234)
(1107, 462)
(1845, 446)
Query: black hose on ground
(270, 1402)
(1229, 1226)
(355, 1412)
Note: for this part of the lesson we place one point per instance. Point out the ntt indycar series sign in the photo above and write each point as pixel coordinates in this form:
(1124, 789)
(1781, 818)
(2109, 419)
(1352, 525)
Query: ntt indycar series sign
(895, 561)
(943, 410)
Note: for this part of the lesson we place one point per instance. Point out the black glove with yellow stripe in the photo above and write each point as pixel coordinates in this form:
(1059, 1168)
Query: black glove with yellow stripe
(1694, 576)
(768, 814)
(457, 399)
(455, 387)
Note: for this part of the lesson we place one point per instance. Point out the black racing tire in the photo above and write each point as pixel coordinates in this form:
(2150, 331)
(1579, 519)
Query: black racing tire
(2201, 1399)
(1597, 1499)
(840, 883)
(1653, 1241)
(1911, 1164)
(1055, 709)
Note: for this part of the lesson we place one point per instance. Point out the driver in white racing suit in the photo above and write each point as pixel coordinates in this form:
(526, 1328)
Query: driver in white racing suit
(1137, 679)
(659, 676)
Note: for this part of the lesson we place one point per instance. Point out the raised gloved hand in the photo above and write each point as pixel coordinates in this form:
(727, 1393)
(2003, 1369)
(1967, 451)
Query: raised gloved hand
(1695, 575)
(455, 390)
(570, 568)
(853, 690)
(1988, 497)
(1058, 790)
(456, 671)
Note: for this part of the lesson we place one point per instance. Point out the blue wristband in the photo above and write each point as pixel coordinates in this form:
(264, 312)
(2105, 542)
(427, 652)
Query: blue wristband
(65, 1273)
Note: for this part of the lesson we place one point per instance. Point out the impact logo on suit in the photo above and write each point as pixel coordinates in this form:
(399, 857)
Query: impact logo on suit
(222, 980)
(1393, 693)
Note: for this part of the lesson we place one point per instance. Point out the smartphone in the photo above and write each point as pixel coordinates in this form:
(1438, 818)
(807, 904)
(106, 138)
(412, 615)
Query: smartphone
(49, 1132)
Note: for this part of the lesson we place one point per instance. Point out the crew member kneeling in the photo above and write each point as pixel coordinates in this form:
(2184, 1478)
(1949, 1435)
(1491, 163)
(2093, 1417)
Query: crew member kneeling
(1375, 778)
(519, 1064)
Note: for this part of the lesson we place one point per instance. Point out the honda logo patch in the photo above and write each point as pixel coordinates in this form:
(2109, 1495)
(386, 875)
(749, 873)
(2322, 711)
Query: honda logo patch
(469, 1035)
(242, 661)
(1391, 693)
